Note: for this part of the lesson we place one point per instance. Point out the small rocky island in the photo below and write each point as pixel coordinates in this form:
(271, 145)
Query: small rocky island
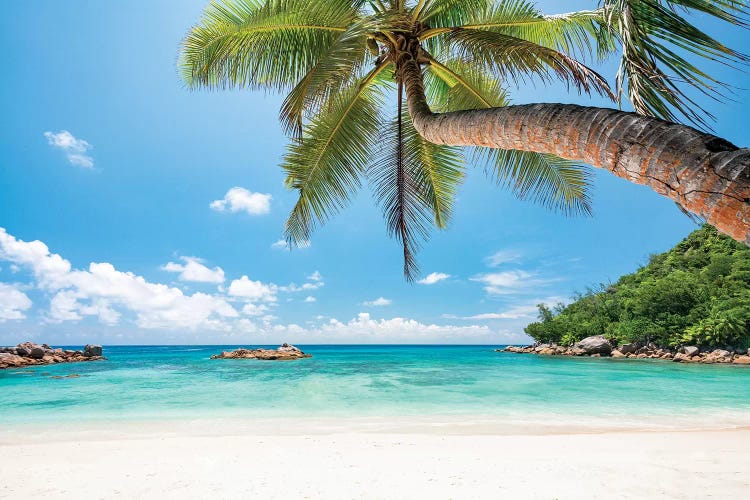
(30, 354)
(282, 353)
(598, 346)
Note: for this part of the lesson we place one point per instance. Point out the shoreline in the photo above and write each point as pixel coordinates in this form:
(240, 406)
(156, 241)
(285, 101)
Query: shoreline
(598, 347)
(454, 425)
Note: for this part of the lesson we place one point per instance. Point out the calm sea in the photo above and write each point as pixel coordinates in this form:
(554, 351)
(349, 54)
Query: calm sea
(181, 382)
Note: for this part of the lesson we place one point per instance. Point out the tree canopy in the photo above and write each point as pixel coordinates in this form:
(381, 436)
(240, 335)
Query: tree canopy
(697, 293)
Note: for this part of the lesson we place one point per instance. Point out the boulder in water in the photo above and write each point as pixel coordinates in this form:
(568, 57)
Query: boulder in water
(91, 351)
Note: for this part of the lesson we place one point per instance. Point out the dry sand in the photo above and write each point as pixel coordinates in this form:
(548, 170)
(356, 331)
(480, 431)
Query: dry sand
(294, 460)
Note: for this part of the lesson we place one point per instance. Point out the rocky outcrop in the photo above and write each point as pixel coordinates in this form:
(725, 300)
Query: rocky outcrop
(283, 352)
(594, 347)
(30, 354)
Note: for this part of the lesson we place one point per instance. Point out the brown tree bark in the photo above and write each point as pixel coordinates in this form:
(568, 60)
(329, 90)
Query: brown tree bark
(705, 174)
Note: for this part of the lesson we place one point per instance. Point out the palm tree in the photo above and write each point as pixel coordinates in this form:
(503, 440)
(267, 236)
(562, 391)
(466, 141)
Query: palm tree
(398, 92)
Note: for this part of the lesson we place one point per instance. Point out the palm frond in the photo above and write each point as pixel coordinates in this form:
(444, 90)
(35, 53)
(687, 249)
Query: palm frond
(268, 44)
(456, 86)
(558, 185)
(415, 183)
(518, 60)
(450, 13)
(326, 164)
(656, 42)
(334, 70)
(570, 33)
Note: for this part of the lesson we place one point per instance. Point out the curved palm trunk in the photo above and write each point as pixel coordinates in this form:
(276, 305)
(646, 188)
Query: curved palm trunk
(706, 175)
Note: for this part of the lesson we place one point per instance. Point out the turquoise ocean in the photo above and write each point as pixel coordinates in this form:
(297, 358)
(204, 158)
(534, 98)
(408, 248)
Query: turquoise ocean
(160, 383)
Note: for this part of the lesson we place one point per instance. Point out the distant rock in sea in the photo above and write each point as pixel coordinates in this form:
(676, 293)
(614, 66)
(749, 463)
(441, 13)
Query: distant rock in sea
(282, 353)
(30, 354)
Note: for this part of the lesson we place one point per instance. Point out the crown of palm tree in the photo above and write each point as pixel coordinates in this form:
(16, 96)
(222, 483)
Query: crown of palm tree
(338, 62)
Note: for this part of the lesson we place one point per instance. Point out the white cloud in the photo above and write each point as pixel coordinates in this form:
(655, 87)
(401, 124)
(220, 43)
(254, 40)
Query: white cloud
(193, 270)
(315, 282)
(504, 257)
(433, 278)
(316, 276)
(254, 291)
(75, 149)
(99, 289)
(241, 314)
(379, 302)
(240, 199)
(505, 282)
(13, 302)
(364, 329)
(310, 298)
(524, 310)
(516, 312)
(251, 309)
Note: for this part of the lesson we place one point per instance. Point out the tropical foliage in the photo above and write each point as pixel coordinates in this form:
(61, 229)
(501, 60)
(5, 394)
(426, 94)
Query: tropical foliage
(337, 62)
(698, 293)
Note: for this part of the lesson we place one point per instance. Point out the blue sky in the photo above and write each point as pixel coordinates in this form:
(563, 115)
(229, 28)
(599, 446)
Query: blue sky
(109, 232)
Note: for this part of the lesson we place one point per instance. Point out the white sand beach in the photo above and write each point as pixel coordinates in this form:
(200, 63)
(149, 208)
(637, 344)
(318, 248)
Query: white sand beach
(160, 461)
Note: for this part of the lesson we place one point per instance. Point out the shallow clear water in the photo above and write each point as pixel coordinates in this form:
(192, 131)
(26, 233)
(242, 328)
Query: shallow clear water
(181, 382)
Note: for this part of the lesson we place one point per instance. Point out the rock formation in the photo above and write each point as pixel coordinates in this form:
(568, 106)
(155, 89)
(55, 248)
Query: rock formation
(283, 352)
(30, 354)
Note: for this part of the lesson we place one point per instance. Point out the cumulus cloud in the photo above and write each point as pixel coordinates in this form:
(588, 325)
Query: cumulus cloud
(101, 288)
(310, 298)
(251, 309)
(254, 291)
(379, 302)
(75, 149)
(192, 269)
(13, 302)
(433, 278)
(241, 312)
(240, 199)
(364, 329)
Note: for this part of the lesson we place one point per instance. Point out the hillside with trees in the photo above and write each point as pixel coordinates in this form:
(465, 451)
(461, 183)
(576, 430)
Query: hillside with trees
(697, 293)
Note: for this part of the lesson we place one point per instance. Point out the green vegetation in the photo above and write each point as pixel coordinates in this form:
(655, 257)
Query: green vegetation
(698, 293)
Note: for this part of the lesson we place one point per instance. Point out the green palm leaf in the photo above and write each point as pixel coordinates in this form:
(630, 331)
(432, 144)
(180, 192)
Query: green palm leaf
(456, 86)
(415, 182)
(557, 184)
(656, 42)
(333, 71)
(326, 165)
(516, 59)
(451, 13)
(270, 44)
(571, 33)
